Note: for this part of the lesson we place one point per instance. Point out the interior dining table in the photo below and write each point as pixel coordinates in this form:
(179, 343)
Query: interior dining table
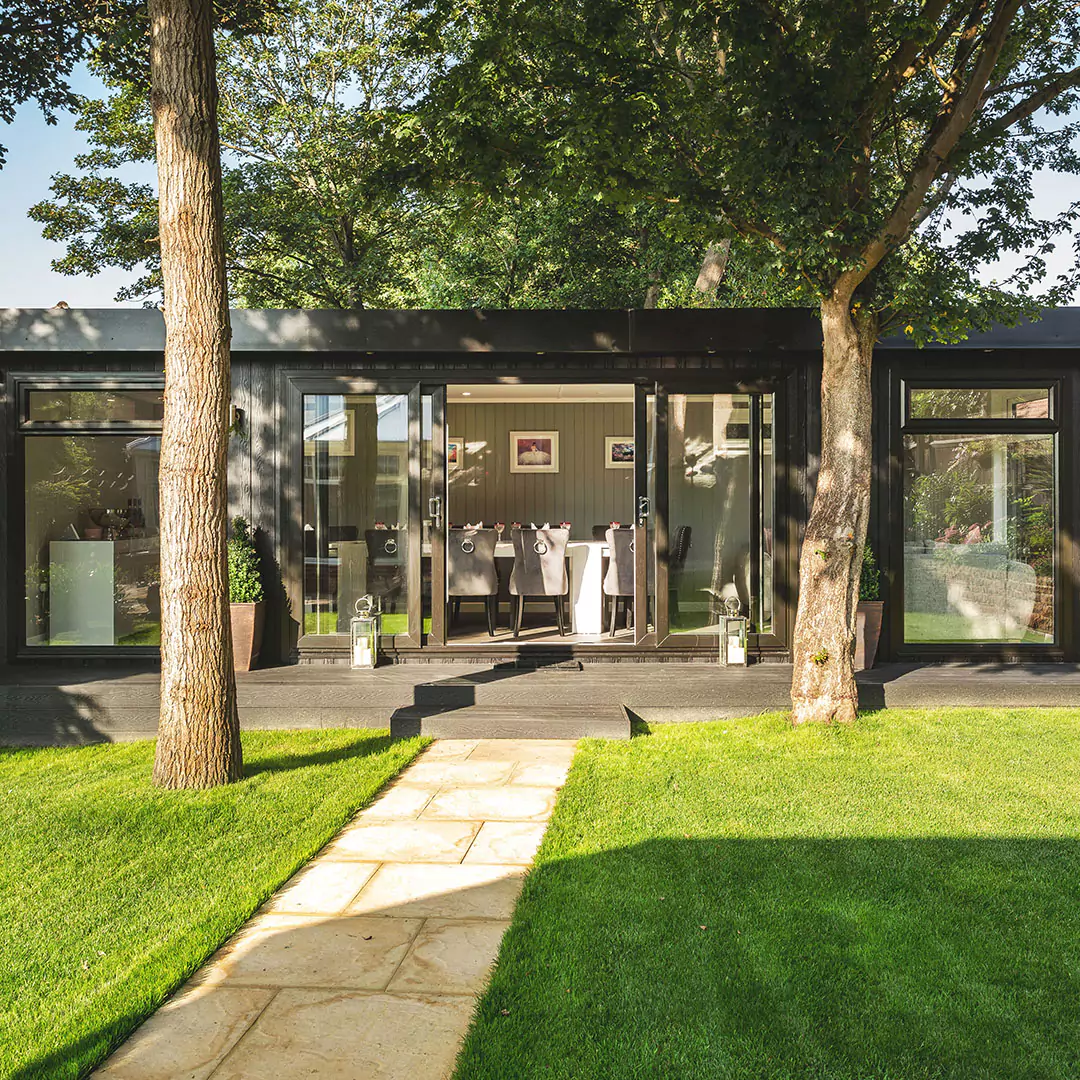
(586, 580)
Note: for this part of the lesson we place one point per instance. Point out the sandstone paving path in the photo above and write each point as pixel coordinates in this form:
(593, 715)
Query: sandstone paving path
(368, 962)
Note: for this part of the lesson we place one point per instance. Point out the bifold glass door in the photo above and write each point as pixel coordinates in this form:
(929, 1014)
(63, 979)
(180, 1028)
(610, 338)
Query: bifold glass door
(715, 513)
(361, 522)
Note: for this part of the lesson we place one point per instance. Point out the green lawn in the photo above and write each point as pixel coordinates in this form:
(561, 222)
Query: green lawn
(899, 899)
(112, 892)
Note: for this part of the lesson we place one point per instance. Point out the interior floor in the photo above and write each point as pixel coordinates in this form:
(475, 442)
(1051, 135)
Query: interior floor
(538, 625)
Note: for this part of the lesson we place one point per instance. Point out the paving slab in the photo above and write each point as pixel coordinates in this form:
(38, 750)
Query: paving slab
(450, 956)
(406, 841)
(322, 887)
(461, 891)
(312, 950)
(338, 1035)
(368, 961)
(506, 842)
(189, 1036)
(507, 803)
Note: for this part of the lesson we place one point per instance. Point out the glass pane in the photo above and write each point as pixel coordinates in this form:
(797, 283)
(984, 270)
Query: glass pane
(764, 615)
(92, 540)
(427, 490)
(97, 405)
(979, 404)
(356, 509)
(708, 508)
(979, 538)
(648, 623)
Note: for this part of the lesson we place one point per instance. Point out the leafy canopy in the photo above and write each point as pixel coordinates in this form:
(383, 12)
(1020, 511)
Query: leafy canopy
(876, 149)
(330, 201)
(42, 41)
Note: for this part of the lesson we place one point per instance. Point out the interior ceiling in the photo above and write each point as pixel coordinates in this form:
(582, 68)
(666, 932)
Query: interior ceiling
(482, 393)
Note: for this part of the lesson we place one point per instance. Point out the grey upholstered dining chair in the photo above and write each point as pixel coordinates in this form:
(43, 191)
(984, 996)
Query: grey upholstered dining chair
(470, 570)
(619, 579)
(539, 571)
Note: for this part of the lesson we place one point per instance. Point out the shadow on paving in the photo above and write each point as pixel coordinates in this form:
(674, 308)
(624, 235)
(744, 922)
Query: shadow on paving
(836, 959)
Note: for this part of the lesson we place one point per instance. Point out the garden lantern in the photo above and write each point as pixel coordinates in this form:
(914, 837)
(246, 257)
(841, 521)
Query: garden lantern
(364, 632)
(732, 634)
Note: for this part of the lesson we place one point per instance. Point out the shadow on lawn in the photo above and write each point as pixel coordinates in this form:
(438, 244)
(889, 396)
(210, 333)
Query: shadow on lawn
(364, 746)
(836, 959)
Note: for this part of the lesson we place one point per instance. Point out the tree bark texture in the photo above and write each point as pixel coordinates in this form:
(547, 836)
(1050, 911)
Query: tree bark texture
(713, 267)
(823, 683)
(198, 732)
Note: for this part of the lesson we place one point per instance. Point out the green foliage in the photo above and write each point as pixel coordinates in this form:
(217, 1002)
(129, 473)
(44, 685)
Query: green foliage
(800, 127)
(869, 576)
(245, 583)
(335, 196)
(42, 43)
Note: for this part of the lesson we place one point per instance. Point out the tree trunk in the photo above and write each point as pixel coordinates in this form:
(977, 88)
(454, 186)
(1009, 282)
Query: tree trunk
(713, 268)
(198, 733)
(823, 683)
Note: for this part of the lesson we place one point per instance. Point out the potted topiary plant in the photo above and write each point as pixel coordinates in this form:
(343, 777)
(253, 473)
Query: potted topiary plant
(246, 597)
(868, 613)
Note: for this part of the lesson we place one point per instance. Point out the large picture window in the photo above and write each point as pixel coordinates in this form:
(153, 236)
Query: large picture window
(980, 517)
(91, 517)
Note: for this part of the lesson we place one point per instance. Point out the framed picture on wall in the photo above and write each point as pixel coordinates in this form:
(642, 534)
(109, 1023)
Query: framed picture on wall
(619, 452)
(534, 451)
(455, 451)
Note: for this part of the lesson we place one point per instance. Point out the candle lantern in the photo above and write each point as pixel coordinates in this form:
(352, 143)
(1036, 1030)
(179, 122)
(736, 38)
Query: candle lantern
(364, 631)
(732, 634)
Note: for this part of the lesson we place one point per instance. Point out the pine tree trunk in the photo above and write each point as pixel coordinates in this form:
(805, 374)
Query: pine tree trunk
(198, 732)
(823, 683)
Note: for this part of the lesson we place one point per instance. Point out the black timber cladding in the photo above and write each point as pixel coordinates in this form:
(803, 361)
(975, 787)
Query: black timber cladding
(683, 349)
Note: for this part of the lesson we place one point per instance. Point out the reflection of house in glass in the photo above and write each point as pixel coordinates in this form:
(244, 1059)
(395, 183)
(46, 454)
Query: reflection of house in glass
(673, 452)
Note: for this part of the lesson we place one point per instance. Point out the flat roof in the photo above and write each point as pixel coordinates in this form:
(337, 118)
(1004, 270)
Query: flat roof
(525, 331)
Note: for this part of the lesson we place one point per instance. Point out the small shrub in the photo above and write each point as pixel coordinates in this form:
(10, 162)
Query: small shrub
(245, 584)
(870, 576)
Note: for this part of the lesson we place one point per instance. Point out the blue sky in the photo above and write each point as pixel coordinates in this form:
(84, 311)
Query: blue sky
(36, 151)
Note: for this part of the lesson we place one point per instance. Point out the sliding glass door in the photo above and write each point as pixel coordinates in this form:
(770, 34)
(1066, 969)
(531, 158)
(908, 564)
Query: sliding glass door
(715, 535)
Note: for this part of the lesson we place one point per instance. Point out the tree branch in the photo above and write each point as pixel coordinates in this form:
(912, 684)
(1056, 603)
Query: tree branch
(1032, 103)
(957, 110)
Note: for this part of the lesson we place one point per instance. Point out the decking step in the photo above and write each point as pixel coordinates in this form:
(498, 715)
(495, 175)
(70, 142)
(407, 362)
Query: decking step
(510, 722)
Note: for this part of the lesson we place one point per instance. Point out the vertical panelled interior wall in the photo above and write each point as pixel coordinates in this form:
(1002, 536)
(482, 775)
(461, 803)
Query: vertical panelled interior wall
(583, 491)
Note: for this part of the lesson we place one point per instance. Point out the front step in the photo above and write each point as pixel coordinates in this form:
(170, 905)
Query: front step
(510, 722)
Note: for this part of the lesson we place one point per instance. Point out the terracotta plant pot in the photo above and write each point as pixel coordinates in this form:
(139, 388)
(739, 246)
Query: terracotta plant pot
(247, 632)
(867, 633)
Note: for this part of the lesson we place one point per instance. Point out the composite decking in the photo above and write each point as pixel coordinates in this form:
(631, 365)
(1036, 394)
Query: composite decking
(71, 705)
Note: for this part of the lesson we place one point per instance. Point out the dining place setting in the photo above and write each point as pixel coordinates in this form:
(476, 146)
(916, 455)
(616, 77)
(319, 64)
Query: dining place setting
(540, 563)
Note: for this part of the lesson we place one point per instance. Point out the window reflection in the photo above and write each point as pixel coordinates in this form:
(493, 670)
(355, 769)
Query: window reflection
(709, 512)
(356, 475)
(979, 538)
(92, 540)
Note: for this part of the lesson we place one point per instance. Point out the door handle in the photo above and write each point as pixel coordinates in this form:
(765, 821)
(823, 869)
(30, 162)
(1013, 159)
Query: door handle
(644, 508)
(434, 506)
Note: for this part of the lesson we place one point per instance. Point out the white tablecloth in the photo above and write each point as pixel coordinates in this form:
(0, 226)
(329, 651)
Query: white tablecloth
(586, 581)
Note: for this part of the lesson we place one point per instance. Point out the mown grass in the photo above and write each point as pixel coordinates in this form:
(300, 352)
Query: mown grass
(896, 900)
(112, 892)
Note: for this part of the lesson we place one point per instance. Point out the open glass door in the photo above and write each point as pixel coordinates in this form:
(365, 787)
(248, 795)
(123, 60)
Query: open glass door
(645, 520)
(433, 507)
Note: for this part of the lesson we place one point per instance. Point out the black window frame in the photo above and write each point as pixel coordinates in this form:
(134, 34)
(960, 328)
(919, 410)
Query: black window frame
(1058, 425)
(20, 386)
